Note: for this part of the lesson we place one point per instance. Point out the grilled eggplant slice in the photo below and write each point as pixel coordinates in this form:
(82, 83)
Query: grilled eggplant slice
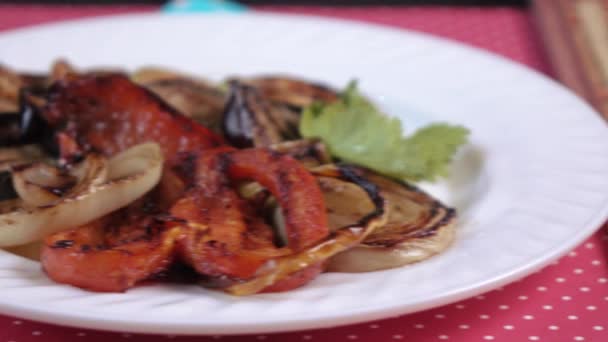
(264, 111)
(295, 93)
(12, 84)
(195, 98)
(418, 225)
(251, 120)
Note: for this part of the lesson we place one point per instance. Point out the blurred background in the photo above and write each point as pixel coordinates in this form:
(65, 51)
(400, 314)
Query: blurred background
(300, 2)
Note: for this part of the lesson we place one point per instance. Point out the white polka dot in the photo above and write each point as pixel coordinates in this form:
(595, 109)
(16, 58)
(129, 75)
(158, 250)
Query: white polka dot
(307, 337)
(261, 337)
(578, 271)
(572, 254)
(509, 327)
(585, 289)
(352, 337)
(482, 297)
(443, 337)
(374, 326)
(488, 337)
(522, 297)
(589, 245)
(566, 298)
(36, 333)
(572, 317)
(606, 298)
(503, 307)
(596, 263)
(528, 317)
(553, 327)
(598, 328)
(460, 306)
(560, 280)
(397, 337)
(440, 316)
(533, 338)
(579, 338)
(17, 322)
(602, 280)
(464, 326)
(419, 326)
(484, 316)
(541, 288)
(592, 308)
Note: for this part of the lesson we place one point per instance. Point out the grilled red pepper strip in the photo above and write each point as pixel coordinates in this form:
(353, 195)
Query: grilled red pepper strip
(295, 189)
(109, 113)
(110, 254)
(224, 237)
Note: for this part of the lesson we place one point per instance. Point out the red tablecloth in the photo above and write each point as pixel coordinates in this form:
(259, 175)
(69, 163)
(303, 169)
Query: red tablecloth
(567, 301)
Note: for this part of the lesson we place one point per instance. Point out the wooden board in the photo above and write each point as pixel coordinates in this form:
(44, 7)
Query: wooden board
(575, 33)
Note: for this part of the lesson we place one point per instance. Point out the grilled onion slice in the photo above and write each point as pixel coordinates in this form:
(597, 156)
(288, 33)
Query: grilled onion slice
(21, 224)
(15, 156)
(40, 184)
(418, 225)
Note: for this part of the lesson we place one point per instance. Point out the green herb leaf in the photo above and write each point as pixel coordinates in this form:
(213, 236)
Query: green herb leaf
(355, 131)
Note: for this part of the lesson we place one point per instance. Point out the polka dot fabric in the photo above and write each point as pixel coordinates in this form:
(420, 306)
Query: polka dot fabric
(566, 301)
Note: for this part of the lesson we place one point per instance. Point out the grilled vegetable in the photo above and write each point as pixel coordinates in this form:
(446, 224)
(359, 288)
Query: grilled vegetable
(418, 226)
(108, 114)
(306, 262)
(23, 223)
(113, 253)
(192, 97)
(292, 92)
(251, 120)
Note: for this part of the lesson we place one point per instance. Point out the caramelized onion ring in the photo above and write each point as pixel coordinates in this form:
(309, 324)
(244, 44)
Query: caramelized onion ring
(40, 184)
(21, 225)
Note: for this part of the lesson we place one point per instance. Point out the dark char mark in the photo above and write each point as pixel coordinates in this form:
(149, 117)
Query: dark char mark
(449, 215)
(350, 173)
(7, 191)
(63, 244)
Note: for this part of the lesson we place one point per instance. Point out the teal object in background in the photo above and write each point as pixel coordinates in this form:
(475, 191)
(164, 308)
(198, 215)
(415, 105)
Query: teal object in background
(198, 6)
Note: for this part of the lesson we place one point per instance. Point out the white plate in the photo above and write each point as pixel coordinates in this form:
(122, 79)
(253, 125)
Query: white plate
(531, 185)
